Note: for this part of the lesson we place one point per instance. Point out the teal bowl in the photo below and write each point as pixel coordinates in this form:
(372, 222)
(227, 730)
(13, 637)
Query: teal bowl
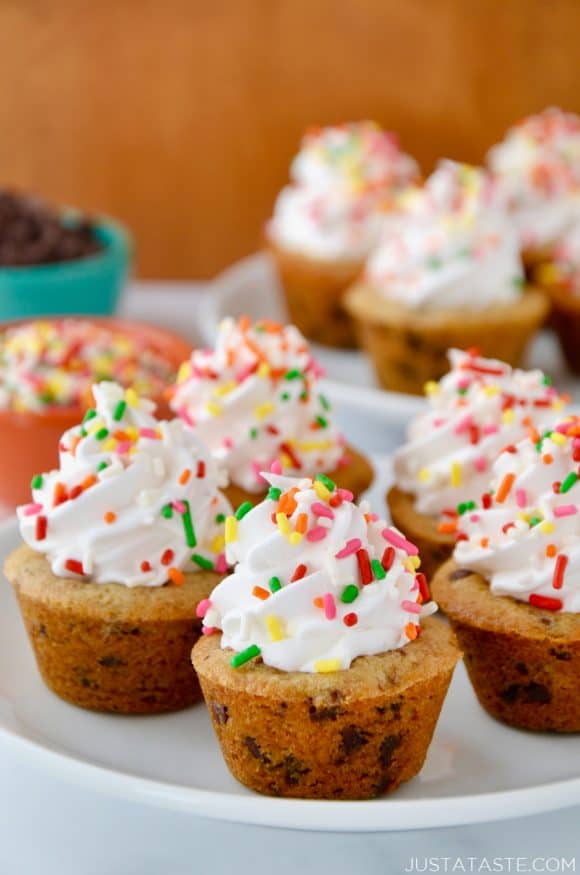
(90, 285)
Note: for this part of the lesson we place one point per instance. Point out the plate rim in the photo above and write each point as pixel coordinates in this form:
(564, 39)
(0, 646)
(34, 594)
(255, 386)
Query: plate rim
(378, 815)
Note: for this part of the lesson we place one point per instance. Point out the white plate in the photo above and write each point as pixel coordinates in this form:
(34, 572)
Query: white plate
(477, 770)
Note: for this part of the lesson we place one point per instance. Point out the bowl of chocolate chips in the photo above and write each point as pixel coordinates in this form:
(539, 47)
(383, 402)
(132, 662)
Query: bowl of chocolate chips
(57, 261)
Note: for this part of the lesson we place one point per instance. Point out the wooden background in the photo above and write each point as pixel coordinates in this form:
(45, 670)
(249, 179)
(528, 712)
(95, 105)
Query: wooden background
(180, 116)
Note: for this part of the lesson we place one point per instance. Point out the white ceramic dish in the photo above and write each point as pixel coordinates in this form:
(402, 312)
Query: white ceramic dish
(477, 770)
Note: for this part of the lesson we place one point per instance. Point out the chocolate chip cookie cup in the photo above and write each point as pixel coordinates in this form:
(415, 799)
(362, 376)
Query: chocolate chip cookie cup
(352, 734)
(523, 660)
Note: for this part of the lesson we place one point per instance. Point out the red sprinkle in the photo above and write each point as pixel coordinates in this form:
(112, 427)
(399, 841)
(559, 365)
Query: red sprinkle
(350, 619)
(145, 566)
(335, 500)
(167, 557)
(388, 558)
(75, 492)
(299, 573)
(364, 566)
(75, 566)
(41, 526)
(486, 500)
(201, 468)
(544, 601)
(559, 569)
(59, 495)
(287, 449)
(423, 586)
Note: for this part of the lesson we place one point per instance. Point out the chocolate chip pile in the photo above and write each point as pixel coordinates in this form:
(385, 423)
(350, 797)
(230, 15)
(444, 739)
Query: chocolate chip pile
(33, 232)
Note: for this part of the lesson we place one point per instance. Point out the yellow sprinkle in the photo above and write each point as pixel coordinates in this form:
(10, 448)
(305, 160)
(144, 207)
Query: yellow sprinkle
(546, 527)
(132, 432)
(131, 397)
(325, 666)
(132, 451)
(408, 565)
(558, 438)
(274, 627)
(225, 389)
(285, 460)
(313, 446)
(295, 538)
(491, 391)
(283, 524)
(321, 491)
(431, 388)
(508, 416)
(183, 372)
(558, 405)
(523, 516)
(95, 426)
(264, 370)
(424, 475)
(231, 530)
(262, 410)
(109, 445)
(217, 545)
(213, 408)
(415, 561)
(455, 477)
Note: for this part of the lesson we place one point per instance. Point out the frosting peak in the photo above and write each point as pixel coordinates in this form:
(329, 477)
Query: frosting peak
(135, 500)
(255, 400)
(478, 408)
(525, 535)
(319, 581)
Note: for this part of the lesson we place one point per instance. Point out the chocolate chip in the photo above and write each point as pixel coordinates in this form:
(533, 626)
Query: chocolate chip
(537, 694)
(563, 655)
(353, 738)
(255, 749)
(460, 573)
(220, 712)
(294, 769)
(389, 744)
(522, 668)
(511, 693)
(111, 662)
(42, 631)
(319, 715)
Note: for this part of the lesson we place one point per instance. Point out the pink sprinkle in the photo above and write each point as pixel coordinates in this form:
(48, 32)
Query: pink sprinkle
(373, 517)
(438, 422)
(246, 372)
(465, 383)
(412, 607)
(228, 443)
(399, 541)
(221, 566)
(562, 427)
(203, 607)
(565, 510)
(350, 547)
(257, 468)
(345, 494)
(32, 509)
(316, 534)
(490, 429)
(474, 517)
(344, 461)
(179, 506)
(463, 424)
(208, 630)
(276, 467)
(185, 415)
(148, 433)
(480, 464)
(123, 447)
(576, 443)
(321, 509)
(329, 606)
(521, 497)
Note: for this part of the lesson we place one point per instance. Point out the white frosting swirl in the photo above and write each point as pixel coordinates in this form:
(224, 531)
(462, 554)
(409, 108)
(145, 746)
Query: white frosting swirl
(310, 589)
(478, 408)
(343, 180)
(538, 168)
(452, 247)
(128, 495)
(526, 538)
(255, 400)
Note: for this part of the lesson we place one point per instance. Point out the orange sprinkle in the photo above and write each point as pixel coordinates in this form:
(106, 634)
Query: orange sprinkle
(411, 631)
(110, 517)
(317, 602)
(302, 523)
(89, 481)
(287, 503)
(551, 551)
(484, 542)
(176, 576)
(533, 435)
(254, 348)
(184, 476)
(504, 487)
(74, 444)
(447, 528)
(547, 459)
(121, 435)
(230, 357)
(59, 494)
(244, 323)
(261, 593)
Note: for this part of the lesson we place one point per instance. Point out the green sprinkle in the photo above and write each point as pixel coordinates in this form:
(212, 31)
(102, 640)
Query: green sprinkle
(83, 432)
(253, 433)
(303, 396)
(285, 396)
(464, 506)
(102, 465)
(274, 584)
(322, 422)
(36, 481)
(243, 509)
(249, 653)
(433, 262)
(119, 411)
(324, 402)
(190, 538)
(220, 518)
(259, 327)
(463, 390)
(330, 484)
(568, 481)
(167, 511)
(101, 434)
(274, 493)
(204, 563)
(293, 374)
(378, 570)
(534, 521)
(519, 282)
(547, 381)
(90, 414)
(349, 594)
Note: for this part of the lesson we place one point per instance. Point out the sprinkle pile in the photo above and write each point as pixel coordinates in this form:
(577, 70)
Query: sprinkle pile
(255, 400)
(319, 581)
(526, 532)
(135, 501)
(478, 408)
(46, 364)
